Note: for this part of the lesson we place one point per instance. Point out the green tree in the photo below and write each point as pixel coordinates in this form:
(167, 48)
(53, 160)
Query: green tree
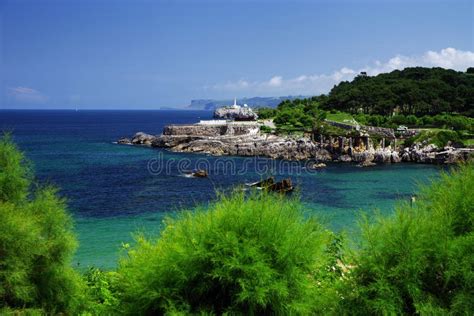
(298, 114)
(417, 91)
(244, 255)
(420, 260)
(15, 174)
(36, 241)
(266, 113)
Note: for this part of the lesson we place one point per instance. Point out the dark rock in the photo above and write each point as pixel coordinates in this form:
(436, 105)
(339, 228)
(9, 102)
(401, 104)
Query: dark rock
(322, 155)
(366, 164)
(124, 141)
(318, 166)
(200, 174)
(362, 156)
(345, 158)
(394, 157)
(141, 138)
(383, 156)
(283, 186)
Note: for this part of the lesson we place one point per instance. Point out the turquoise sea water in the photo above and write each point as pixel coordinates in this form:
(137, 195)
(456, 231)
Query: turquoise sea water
(114, 190)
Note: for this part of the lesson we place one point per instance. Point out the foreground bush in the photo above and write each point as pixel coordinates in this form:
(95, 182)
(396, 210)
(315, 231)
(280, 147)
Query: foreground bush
(101, 293)
(420, 260)
(252, 255)
(36, 242)
(244, 254)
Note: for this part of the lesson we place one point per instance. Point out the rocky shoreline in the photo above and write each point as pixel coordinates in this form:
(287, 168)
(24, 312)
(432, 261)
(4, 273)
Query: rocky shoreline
(235, 139)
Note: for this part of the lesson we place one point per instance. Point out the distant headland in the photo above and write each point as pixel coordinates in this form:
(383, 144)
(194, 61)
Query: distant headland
(255, 102)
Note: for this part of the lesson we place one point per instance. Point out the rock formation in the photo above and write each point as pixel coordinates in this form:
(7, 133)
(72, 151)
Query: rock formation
(124, 141)
(141, 138)
(239, 139)
(236, 113)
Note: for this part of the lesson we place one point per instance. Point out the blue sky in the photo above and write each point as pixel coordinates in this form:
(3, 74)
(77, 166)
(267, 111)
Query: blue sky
(151, 54)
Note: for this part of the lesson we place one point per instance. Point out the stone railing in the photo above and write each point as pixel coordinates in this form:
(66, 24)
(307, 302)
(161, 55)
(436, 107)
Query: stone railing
(380, 131)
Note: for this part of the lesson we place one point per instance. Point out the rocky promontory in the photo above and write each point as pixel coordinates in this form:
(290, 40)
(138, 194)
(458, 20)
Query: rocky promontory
(245, 139)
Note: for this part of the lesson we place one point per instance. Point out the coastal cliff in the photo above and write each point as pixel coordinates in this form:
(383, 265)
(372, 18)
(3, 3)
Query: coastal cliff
(245, 139)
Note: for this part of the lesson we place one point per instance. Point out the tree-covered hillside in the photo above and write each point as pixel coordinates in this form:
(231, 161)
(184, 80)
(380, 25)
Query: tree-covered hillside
(419, 91)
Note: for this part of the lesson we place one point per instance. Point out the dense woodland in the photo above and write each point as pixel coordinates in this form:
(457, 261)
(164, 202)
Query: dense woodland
(429, 98)
(418, 91)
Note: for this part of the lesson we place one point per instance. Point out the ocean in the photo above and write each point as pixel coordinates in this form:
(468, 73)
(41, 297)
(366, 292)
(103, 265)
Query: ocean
(115, 191)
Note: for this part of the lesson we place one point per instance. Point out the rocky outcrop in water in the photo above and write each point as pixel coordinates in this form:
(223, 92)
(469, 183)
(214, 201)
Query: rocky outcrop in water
(246, 140)
(430, 153)
(141, 138)
(255, 145)
(124, 141)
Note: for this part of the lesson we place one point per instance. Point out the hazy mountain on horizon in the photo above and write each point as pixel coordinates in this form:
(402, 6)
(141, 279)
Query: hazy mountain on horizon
(212, 104)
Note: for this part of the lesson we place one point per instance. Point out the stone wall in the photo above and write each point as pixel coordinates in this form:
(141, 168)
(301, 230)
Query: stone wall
(380, 131)
(341, 125)
(194, 130)
(230, 129)
(372, 130)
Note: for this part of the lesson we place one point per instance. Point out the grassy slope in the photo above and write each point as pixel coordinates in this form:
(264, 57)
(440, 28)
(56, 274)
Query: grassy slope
(341, 117)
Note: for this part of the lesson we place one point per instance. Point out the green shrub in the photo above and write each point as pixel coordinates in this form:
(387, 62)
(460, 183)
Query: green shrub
(361, 118)
(266, 113)
(101, 292)
(412, 120)
(6, 311)
(36, 242)
(420, 260)
(376, 120)
(437, 137)
(427, 120)
(298, 114)
(456, 122)
(443, 137)
(15, 174)
(250, 255)
(265, 129)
